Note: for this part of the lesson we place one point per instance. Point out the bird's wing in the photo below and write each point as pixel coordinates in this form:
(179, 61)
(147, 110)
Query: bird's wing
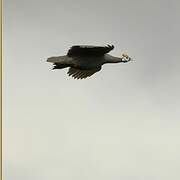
(81, 74)
(89, 50)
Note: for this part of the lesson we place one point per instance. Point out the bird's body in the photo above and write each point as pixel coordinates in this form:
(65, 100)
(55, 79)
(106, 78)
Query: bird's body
(84, 61)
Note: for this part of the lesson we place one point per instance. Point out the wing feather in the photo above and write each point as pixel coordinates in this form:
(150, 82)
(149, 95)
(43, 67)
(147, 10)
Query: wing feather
(81, 74)
(89, 50)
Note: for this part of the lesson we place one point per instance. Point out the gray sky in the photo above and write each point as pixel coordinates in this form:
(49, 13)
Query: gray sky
(123, 122)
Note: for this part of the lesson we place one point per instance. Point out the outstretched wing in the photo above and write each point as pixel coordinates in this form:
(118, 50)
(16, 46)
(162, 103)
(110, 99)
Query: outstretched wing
(89, 50)
(81, 74)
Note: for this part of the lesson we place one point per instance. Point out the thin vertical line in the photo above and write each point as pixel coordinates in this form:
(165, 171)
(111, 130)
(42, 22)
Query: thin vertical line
(1, 87)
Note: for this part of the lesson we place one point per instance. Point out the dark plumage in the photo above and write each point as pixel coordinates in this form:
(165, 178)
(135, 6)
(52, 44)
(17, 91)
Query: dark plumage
(84, 61)
(89, 50)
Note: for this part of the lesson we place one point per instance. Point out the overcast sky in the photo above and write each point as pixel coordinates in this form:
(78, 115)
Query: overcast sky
(121, 123)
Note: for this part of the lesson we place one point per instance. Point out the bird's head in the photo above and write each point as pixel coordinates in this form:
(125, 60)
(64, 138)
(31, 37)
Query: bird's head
(126, 58)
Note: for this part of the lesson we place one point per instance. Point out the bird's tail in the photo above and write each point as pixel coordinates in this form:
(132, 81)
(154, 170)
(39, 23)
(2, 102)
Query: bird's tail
(58, 59)
(59, 62)
(54, 59)
(59, 66)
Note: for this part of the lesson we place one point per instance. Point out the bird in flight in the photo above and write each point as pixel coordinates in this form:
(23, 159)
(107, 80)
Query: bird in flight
(83, 60)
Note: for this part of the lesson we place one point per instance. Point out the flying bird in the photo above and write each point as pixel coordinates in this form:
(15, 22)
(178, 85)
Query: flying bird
(83, 60)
